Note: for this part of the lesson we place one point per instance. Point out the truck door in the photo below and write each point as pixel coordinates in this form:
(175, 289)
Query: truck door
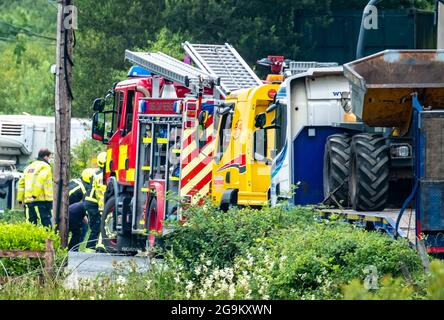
(225, 164)
(113, 150)
(263, 150)
(125, 170)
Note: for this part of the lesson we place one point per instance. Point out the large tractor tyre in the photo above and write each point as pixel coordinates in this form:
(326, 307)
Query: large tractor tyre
(336, 170)
(369, 172)
(109, 234)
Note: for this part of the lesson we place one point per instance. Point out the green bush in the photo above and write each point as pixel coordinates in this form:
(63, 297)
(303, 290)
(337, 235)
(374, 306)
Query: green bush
(24, 236)
(315, 261)
(221, 236)
(282, 254)
(274, 253)
(12, 216)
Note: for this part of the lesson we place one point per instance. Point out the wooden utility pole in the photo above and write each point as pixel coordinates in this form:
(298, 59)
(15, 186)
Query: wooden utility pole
(441, 25)
(63, 100)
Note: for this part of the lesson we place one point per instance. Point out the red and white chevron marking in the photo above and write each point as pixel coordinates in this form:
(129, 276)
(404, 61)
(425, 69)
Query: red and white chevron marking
(196, 165)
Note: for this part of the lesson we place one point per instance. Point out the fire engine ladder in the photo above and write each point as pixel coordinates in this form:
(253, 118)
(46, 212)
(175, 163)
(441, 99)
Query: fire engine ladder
(224, 62)
(171, 69)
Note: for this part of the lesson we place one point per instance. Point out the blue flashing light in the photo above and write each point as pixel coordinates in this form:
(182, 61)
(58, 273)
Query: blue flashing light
(136, 71)
(177, 106)
(142, 106)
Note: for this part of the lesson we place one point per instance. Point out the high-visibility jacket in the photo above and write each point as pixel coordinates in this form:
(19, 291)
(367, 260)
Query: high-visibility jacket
(77, 190)
(96, 193)
(36, 183)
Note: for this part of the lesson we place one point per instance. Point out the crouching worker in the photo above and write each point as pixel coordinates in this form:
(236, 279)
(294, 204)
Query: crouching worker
(93, 204)
(77, 219)
(77, 191)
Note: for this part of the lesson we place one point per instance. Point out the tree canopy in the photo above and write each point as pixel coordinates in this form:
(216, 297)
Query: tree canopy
(256, 28)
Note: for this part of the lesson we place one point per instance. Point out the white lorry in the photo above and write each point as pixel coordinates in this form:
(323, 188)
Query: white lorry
(21, 138)
(307, 105)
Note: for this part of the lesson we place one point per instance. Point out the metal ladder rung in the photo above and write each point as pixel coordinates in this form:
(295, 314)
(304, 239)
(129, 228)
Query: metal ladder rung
(224, 62)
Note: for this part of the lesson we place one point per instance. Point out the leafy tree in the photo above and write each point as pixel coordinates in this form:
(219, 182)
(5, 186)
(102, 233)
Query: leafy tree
(27, 52)
(255, 28)
(106, 29)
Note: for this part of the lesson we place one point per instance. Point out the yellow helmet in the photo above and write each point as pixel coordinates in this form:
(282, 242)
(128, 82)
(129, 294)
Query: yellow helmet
(101, 159)
(87, 174)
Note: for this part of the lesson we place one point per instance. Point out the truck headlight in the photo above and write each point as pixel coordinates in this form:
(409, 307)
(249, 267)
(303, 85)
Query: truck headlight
(399, 151)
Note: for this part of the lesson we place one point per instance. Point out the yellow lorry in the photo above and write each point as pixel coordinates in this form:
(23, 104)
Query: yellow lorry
(244, 148)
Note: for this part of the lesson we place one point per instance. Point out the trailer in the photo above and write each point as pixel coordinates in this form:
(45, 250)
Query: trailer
(385, 221)
(21, 138)
(389, 159)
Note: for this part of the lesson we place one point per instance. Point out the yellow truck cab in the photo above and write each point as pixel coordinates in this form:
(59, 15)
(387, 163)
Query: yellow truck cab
(244, 148)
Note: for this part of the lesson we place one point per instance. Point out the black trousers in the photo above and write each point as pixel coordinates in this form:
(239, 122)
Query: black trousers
(94, 223)
(76, 214)
(39, 211)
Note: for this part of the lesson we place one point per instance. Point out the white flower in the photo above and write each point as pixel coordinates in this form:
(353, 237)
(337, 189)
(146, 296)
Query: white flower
(224, 286)
(189, 286)
(121, 280)
(231, 291)
(250, 260)
(265, 297)
(230, 274)
(197, 270)
(148, 283)
(208, 263)
(207, 284)
(177, 279)
(203, 294)
(121, 295)
(243, 283)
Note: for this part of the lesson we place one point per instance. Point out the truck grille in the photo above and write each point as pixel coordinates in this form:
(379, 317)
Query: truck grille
(11, 129)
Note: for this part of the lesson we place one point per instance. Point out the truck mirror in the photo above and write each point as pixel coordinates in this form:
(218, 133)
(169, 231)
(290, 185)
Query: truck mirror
(224, 108)
(98, 105)
(260, 120)
(98, 126)
(273, 153)
(217, 158)
(272, 107)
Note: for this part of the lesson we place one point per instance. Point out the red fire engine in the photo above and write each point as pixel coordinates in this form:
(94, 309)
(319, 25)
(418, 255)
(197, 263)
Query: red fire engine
(160, 139)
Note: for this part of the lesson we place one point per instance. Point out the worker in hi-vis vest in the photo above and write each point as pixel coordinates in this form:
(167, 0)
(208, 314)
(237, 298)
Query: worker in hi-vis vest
(78, 187)
(94, 203)
(78, 218)
(35, 190)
